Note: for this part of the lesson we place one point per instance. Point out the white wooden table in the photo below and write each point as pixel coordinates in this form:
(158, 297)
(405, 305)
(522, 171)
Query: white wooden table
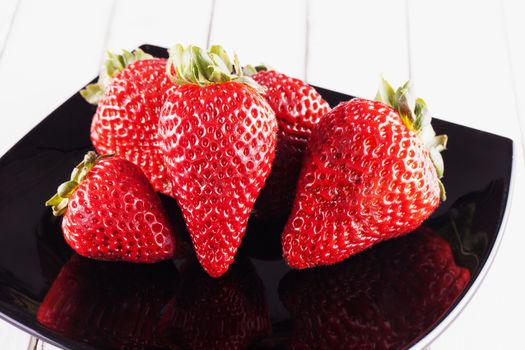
(467, 59)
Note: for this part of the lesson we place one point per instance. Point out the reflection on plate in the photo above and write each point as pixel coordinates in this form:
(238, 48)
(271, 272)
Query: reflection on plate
(383, 298)
(391, 295)
(108, 305)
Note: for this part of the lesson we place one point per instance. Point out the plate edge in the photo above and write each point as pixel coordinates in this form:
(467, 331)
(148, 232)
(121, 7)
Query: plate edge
(443, 325)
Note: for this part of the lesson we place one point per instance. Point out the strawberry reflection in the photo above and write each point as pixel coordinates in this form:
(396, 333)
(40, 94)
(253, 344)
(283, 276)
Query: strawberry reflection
(383, 298)
(109, 305)
(229, 312)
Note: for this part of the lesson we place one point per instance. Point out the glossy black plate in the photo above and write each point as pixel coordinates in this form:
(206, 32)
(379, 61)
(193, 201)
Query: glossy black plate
(398, 294)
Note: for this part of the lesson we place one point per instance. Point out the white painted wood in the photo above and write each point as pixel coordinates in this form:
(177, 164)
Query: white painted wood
(43, 346)
(460, 64)
(160, 22)
(13, 338)
(513, 12)
(7, 10)
(353, 42)
(54, 48)
(271, 32)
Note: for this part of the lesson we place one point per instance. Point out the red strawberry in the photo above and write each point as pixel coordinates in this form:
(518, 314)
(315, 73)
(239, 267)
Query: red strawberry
(228, 313)
(112, 213)
(298, 108)
(384, 298)
(130, 94)
(218, 137)
(109, 305)
(370, 173)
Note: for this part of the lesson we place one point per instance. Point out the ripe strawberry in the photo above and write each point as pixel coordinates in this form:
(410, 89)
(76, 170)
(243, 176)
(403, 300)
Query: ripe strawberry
(298, 108)
(384, 298)
(228, 313)
(371, 172)
(112, 213)
(130, 94)
(109, 305)
(218, 137)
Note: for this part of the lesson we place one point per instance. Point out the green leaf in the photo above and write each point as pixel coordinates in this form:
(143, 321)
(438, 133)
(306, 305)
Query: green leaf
(92, 93)
(250, 70)
(416, 116)
(193, 65)
(386, 93)
(113, 64)
(53, 200)
(60, 200)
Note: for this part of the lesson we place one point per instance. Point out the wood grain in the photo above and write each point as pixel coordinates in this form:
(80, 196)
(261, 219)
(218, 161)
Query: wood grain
(7, 14)
(351, 44)
(161, 22)
(273, 32)
(54, 48)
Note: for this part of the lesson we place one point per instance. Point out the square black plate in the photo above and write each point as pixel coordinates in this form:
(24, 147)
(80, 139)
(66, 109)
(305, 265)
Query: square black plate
(33, 252)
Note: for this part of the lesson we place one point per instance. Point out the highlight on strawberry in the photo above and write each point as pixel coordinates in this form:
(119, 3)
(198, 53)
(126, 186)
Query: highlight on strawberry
(111, 212)
(371, 172)
(218, 135)
(129, 95)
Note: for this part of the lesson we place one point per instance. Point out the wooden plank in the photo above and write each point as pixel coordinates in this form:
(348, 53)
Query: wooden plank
(44, 346)
(514, 26)
(352, 43)
(271, 32)
(13, 338)
(54, 48)
(460, 64)
(7, 12)
(161, 22)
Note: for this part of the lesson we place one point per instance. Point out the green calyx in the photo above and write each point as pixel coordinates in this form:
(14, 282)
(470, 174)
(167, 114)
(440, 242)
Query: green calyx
(60, 200)
(114, 63)
(193, 65)
(416, 116)
(250, 70)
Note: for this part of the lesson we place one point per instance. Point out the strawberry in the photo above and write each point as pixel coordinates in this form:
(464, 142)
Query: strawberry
(130, 93)
(109, 305)
(371, 172)
(298, 108)
(384, 298)
(227, 313)
(218, 137)
(111, 212)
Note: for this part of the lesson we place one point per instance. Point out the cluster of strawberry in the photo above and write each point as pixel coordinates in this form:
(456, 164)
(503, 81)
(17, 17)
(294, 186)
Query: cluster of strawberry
(228, 141)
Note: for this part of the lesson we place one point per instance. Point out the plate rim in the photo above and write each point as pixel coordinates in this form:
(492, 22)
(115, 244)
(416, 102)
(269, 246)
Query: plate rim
(464, 300)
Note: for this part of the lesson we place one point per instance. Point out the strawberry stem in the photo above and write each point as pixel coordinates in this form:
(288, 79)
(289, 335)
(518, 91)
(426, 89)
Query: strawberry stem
(60, 200)
(193, 65)
(113, 64)
(416, 116)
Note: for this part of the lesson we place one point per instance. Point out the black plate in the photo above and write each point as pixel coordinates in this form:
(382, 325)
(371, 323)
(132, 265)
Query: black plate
(393, 295)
